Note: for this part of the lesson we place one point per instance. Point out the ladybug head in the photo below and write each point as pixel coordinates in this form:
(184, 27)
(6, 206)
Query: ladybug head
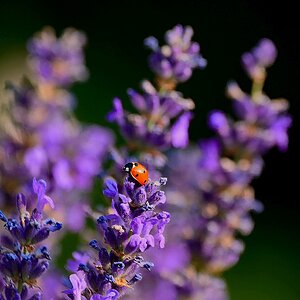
(127, 168)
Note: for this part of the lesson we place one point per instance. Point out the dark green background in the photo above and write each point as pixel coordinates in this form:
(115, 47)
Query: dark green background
(116, 58)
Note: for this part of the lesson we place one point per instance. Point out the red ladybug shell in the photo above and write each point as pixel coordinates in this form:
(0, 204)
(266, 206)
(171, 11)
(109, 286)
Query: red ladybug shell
(137, 172)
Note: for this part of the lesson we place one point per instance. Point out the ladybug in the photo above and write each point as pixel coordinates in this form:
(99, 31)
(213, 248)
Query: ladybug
(137, 171)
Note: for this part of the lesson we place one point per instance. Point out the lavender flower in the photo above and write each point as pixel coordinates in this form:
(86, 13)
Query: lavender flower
(229, 163)
(134, 226)
(22, 259)
(211, 204)
(50, 142)
(61, 150)
(175, 61)
(264, 121)
(162, 120)
(58, 61)
(163, 114)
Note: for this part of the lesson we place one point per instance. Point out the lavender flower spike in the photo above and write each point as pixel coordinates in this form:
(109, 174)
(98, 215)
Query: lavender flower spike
(161, 122)
(227, 197)
(135, 225)
(58, 61)
(162, 115)
(213, 201)
(22, 259)
(45, 139)
(176, 60)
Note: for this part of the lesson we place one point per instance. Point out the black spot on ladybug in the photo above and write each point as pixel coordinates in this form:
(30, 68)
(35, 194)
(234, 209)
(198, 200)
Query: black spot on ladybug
(144, 171)
(136, 164)
(136, 175)
(145, 181)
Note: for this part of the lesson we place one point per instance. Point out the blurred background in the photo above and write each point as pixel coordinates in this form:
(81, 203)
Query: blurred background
(117, 59)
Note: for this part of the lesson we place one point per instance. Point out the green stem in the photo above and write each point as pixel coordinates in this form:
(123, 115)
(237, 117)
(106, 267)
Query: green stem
(258, 85)
(257, 88)
(20, 286)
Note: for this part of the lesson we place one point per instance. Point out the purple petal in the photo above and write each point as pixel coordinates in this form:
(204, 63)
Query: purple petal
(152, 43)
(111, 188)
(219, 123)
(279, 130)
(35, 159)
(39, 188)
(265, 52)
(117, 114)
(210, 155)
(78, 283)
(160, 239)
(143, 244)
(150, 241)
(63, 174)
(179, 131)
(134, 241)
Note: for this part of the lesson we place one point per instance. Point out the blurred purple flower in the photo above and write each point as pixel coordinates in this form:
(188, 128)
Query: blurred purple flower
(261, 57)
(177, 59)
(264, 122)
(50, 142)
(58, 61)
